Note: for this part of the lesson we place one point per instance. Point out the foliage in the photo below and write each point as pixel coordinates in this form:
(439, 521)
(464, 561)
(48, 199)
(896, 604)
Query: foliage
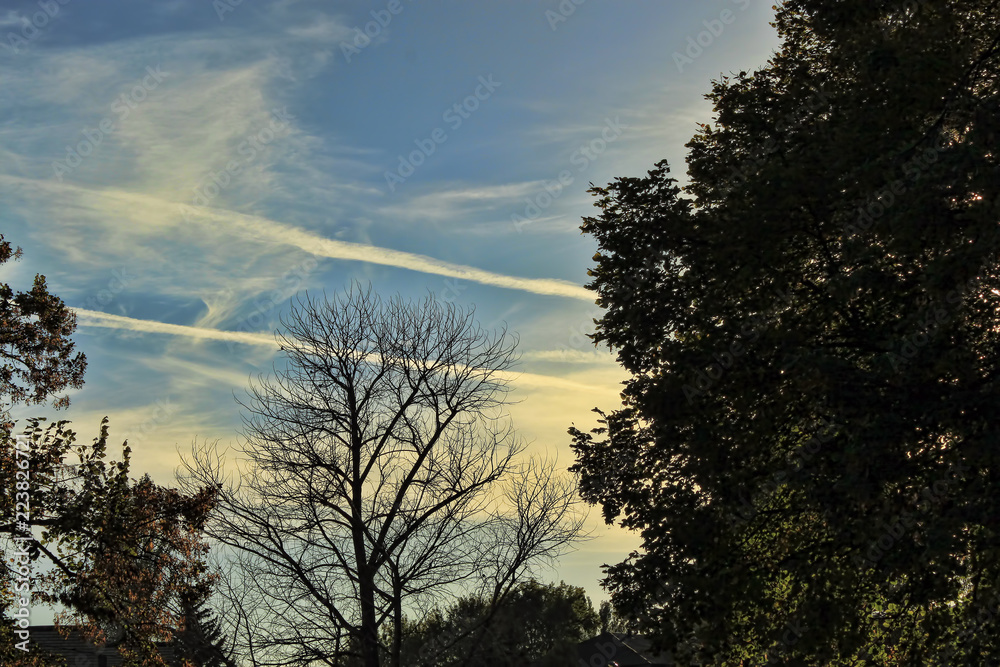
(124, 553)
(611, 620)
(808, 442)
(37, 354)
(121, 554)
(10, 656)
(535, 622)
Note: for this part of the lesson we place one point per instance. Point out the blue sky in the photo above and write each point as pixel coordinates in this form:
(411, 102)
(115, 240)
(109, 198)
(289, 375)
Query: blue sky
(179, 169)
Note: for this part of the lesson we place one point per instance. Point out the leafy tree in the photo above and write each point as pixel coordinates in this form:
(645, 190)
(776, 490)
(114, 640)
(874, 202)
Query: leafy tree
(377, 474)
(37, 354)
(535, 622)
(808, 441)
(611, 620)
(123, 553)
(10, 656)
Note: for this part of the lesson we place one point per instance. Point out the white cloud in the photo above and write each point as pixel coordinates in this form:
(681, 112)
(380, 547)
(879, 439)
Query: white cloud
(276, 232)
(488, 193)
(91, 318)
(152, 215)
(13, 20)
(456, 204)
(570, 356)
(323, 29)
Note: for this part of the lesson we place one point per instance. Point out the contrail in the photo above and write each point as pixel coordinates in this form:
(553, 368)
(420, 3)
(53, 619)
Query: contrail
(93, 318)
(147, 207)
(324, 247)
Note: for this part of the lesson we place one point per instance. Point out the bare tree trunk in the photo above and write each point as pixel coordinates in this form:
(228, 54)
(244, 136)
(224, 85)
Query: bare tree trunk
(376, 466)
(397, 618)
(369, 627)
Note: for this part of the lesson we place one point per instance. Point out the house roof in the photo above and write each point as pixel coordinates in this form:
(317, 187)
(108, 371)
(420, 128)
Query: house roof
(626, 650)
(78, 651)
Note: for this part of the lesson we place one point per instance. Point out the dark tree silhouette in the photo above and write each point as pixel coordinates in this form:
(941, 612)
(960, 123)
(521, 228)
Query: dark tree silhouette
(535, 624)
(119, 552)
(201, 642)
(808, 441)
(377, 474)
(35, 327)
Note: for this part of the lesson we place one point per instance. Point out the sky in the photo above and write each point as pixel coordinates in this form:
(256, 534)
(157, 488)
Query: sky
(179, 170)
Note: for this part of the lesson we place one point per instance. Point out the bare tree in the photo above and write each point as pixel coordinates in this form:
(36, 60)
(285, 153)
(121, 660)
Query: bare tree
(377, 474)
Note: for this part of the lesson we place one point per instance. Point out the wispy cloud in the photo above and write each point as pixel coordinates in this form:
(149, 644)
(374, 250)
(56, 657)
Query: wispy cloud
(458, 206)
(323, 29)
(89, 186)
(570, 356)
(276, 232)
(92, 318)
(271, 232)
(12, 20)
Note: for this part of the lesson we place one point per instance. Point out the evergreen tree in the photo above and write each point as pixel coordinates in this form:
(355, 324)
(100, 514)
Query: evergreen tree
(200, 643)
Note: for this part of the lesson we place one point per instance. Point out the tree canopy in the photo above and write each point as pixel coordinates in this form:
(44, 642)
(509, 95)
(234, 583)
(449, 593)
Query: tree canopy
(535, 624)
(122, 555)
(37, 353)
(808, 441)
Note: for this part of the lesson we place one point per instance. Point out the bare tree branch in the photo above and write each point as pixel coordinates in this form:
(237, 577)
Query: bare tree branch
(378, 474)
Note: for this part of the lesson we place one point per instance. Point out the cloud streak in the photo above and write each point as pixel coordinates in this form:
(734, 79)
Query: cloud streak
(92, 318)
(272, 232)
(323, 247)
